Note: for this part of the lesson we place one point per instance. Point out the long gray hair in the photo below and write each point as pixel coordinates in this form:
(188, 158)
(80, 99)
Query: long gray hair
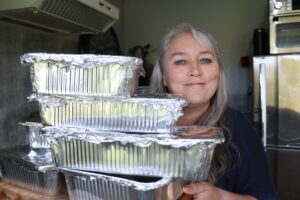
(219, 100)
(218, 103)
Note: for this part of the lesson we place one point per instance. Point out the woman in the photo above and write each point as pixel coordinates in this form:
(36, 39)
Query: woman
(189, 64)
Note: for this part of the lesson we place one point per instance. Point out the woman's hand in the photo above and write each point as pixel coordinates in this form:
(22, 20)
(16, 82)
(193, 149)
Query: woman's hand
(206, 191)
(203, 191)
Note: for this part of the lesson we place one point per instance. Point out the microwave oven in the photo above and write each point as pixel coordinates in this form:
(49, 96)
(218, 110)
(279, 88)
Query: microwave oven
(284, 26)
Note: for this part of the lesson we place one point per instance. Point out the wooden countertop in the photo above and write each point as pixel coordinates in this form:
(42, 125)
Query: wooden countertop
(11, 192)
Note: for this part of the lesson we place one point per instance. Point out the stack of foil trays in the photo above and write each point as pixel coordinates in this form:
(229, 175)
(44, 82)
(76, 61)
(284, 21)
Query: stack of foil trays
(109, 143)
(115, 165)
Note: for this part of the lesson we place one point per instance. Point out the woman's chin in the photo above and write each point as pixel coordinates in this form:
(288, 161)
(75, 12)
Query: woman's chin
(197, 104)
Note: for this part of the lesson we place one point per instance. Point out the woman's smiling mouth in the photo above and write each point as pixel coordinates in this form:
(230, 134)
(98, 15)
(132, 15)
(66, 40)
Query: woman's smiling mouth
(194, 84)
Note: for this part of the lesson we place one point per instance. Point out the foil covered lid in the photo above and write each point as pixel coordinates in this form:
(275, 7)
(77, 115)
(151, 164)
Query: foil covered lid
(183, 137)
(80, 60)
(35, 159)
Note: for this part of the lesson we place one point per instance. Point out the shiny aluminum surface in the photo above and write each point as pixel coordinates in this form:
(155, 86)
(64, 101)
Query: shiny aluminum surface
(139, 114)
(35, 139)
(281, 109)
(83, 74)
(32, 169)
(85, 185)
(161, 155)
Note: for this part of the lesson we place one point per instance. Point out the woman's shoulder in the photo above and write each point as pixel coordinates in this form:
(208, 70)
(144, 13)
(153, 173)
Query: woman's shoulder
(232, 112)
(239, 125)
(234, 117)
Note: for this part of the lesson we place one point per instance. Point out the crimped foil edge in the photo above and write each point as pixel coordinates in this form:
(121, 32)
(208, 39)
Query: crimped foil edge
(147, 114)
(80, 60)
(143, 140)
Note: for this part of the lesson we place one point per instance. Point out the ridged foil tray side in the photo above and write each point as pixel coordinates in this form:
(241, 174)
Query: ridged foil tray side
(109, 80)
(49, 182)
(84, 185)
(158, 155)
(35, 139)
(113, 114)
(83, 75)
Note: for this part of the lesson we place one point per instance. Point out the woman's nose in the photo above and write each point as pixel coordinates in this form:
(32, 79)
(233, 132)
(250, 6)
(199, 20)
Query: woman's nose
(195, 69)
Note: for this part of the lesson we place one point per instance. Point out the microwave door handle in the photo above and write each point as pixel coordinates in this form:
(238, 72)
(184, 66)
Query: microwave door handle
(263, 103)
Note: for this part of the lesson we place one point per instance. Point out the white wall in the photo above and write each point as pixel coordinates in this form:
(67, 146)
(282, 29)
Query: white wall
(15, 84)
(119, 25)
(231, 22)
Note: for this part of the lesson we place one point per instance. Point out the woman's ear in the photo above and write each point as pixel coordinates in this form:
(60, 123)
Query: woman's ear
(164, 81)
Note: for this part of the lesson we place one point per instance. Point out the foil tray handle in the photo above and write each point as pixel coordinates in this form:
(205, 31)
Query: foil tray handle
(35, 139)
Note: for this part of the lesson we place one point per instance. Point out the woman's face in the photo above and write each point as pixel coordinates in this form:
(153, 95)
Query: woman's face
(191, 70)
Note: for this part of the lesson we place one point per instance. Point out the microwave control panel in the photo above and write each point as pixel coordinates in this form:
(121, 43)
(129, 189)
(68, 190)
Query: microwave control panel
(284, 7)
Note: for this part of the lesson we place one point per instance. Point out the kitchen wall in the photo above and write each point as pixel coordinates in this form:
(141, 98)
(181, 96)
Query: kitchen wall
(15, 84)
(119, 26)
(230, 22)
(141, 22)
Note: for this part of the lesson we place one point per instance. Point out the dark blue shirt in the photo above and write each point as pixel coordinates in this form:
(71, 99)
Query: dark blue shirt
(248, 172)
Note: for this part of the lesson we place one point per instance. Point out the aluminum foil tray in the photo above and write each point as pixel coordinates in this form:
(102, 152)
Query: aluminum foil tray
(33, 170)
(94, 186)
(34, 138)
(140, 114)
(83, 74)
(159, 155)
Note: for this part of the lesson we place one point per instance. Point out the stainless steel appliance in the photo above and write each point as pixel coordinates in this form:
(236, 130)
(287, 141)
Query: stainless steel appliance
(284, 23)
(277, 110)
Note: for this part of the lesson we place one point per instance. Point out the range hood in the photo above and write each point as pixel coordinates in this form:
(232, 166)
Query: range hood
(67, 16)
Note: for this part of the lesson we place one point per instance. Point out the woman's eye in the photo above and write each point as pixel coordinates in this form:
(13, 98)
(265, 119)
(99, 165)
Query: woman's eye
(180, 62)
(205, 60)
